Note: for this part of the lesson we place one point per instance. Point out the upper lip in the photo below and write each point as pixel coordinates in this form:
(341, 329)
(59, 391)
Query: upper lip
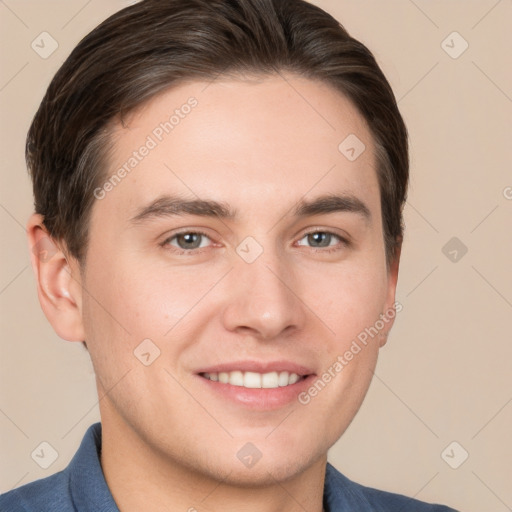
(258, 367)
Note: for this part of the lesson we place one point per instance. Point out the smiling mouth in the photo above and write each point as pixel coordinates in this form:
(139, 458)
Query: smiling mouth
(254, 380)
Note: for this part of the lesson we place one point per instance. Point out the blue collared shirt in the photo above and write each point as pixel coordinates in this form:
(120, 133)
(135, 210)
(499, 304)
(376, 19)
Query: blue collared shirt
(81, 487)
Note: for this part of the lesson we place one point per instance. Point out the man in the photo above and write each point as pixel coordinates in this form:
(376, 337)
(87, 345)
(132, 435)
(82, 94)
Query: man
(219, 184)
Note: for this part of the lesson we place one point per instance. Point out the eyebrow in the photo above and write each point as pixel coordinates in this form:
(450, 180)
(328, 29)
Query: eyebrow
(168, 206)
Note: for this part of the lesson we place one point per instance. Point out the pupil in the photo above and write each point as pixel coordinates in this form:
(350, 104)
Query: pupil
(190, 239)
(320, 237)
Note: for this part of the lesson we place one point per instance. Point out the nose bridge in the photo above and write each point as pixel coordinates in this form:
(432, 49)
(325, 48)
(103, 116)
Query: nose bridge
(262, 298)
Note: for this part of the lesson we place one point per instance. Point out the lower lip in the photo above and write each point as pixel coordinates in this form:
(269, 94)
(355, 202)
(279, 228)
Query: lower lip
(259, 398)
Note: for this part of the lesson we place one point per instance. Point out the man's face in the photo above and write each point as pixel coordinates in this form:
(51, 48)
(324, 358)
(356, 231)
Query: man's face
(256, 292)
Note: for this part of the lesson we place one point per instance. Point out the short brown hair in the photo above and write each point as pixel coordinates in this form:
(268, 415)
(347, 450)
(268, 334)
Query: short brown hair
(150, 46)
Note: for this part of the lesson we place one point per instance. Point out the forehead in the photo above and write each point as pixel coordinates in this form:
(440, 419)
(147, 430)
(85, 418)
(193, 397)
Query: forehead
(258, 142)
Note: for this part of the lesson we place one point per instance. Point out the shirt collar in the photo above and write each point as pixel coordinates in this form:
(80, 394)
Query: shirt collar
(340, 493)
(87, 483)
(90, 491)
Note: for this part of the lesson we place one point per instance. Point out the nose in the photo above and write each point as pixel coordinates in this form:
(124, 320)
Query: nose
(264, 299)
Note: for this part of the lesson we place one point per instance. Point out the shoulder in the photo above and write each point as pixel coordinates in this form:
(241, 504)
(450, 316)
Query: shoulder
(50, 493)
(81, 486)
(342, 493)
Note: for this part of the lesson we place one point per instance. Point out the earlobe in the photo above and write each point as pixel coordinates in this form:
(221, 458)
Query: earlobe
(390, 300)
(58, 282)
(383, 337)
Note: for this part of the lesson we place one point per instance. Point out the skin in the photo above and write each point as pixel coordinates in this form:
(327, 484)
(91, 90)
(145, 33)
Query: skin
(259, 147)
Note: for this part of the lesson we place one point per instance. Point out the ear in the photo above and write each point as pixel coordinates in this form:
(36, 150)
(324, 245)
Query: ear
(58, 281)
(391, 311)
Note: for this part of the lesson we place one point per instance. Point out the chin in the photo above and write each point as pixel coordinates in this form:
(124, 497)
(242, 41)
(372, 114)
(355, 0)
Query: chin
(267, 471)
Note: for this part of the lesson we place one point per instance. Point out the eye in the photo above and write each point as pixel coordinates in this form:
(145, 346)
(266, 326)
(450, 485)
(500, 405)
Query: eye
(187, 241)
(190, 241)
(324, 239)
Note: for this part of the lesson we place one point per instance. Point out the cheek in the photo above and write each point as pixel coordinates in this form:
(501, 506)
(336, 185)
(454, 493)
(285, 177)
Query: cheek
(131, 300)
(126, 294)
(348, 302)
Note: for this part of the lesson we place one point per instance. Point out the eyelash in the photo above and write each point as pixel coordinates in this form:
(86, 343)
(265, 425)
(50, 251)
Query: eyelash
(343, 242)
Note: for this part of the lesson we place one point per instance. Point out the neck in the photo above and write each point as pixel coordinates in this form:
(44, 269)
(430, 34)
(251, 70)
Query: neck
(141, 478)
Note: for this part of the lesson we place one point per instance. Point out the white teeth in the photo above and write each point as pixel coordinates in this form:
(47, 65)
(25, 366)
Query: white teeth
(251, 380)
(254, 380)
(283, 379)
(270, 380)
(236, 378)
(293, 378)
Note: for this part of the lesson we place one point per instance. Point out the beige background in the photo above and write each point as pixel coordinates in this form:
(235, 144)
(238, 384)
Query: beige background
(445, 374)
